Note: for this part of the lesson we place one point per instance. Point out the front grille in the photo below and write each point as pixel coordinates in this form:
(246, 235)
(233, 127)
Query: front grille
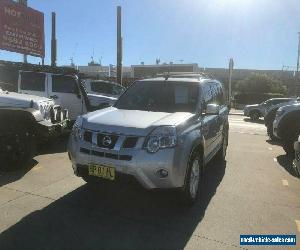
(106, 155)
(87, 136)
(106, 140)
(130, 142)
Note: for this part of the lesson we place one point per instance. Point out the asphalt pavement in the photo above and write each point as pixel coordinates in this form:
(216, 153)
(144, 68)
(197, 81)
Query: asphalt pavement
(255, 192)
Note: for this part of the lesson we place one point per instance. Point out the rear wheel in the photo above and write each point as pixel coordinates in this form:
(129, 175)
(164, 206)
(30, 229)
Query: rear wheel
(193, 180)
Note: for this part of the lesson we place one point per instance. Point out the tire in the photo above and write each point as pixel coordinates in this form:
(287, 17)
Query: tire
(297, 171)
(17, 149)
(193, 180)
(254, 116)
(270, 133)
(221, 155)
(288, 146)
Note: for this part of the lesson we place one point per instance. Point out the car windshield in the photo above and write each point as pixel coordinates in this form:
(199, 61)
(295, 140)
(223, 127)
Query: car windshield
(160, 97)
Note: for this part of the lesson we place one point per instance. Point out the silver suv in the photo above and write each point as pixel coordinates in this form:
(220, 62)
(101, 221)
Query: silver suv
(161, 131)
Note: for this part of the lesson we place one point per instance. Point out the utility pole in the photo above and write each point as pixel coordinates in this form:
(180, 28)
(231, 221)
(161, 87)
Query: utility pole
(230, 79)
(119, 45)
(298, 60)
(53, 41)
(23, 2)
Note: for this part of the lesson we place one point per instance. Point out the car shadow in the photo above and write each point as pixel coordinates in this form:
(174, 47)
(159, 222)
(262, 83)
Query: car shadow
(54, 145)
(58, 145)
(260, 121)
(287, 163)
(113, 217)
(7, 177)
(274, 142)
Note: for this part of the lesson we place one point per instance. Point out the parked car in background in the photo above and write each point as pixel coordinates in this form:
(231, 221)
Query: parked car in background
(26, 120)
(161, 132)
(296, 162)
(102, 87)
(66, 91)
(286, 126)
(108, 91)
(256, 111)
(271, 113)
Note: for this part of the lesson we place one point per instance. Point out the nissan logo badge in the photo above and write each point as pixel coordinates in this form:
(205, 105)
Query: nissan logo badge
(106, 141)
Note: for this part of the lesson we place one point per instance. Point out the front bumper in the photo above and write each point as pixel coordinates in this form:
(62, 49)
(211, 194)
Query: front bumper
(135, 162)
(296, 162)
(48, 129)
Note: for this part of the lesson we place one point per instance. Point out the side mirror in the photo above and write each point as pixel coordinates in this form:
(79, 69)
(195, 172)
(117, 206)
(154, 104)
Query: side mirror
(212, 109)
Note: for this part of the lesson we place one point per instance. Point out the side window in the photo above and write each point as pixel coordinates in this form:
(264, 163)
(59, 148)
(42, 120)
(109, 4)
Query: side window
(207, 96)
(64, 84)
(102, 87)
(220, 95)
(33, 81)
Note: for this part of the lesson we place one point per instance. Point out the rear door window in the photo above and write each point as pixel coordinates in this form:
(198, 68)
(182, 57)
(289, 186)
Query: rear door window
(64, 84)
(33, 81)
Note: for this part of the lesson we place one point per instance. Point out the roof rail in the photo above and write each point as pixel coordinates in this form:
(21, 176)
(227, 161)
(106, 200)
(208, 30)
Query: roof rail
(185, 74)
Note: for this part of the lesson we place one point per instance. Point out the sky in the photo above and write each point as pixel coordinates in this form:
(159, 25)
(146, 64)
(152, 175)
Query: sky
(257, 34)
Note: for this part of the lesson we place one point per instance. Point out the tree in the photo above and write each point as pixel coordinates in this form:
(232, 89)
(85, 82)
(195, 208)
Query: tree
(260, 83)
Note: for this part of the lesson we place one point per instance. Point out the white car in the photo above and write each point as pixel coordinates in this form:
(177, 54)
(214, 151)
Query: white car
(25, 120)
(105, 88)
(66, 91)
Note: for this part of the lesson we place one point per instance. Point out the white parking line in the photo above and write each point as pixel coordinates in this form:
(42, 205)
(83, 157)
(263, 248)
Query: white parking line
(298, 225)
(285, 183)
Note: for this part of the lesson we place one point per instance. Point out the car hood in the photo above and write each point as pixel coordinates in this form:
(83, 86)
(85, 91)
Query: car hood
(12, 99)
(131, 122)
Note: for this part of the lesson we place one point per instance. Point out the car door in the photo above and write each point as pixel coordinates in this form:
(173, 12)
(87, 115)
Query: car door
(32, 83)
(65, 91)
(223, 114)
(209, 125)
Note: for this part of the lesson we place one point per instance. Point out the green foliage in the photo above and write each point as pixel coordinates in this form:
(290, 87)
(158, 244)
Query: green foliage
(260, 83)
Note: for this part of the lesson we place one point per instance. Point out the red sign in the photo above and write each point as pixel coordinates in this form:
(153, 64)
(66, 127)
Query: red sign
(21, 29)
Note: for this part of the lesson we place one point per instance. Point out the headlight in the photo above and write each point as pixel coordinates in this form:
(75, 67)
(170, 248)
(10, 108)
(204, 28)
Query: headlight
(77, 131)
(161, 137)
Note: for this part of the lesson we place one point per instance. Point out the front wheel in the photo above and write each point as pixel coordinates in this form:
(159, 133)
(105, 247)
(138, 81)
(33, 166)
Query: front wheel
(17, 149)
(270, 133)
(288, 146)
(193, 180)
(254, 116)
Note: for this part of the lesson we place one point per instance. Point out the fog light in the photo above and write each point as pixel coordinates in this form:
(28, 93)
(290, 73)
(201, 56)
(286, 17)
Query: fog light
(162, 173)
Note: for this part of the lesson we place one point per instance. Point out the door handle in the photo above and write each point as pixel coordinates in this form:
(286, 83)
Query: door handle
(53, 96)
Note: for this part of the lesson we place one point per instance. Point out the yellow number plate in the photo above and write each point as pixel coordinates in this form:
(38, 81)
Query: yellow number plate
(102, 171)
